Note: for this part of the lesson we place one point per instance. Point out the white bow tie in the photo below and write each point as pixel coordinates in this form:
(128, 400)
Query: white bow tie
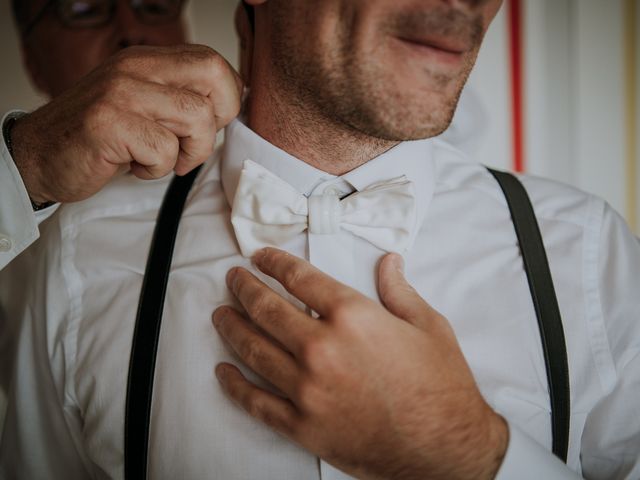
(267, 211)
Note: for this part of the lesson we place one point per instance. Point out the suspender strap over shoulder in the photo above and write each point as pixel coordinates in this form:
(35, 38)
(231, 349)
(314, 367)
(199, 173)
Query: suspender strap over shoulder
(546, 306)
(147, 329)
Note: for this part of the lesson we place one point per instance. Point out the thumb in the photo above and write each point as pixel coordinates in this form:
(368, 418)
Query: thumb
(399, 297)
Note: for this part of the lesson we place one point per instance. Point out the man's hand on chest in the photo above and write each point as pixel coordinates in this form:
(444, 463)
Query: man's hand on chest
(377, 392)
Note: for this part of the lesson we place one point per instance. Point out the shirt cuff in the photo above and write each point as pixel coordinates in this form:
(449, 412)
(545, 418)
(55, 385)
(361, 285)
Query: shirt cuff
(526, 459)
(18, 221)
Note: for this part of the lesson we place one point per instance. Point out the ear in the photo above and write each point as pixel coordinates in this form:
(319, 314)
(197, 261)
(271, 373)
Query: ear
(246, 38)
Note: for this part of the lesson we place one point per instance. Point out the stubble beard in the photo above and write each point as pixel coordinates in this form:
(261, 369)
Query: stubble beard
(343, 88)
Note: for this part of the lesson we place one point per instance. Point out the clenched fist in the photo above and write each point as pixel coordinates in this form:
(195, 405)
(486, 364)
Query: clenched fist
(150, 109)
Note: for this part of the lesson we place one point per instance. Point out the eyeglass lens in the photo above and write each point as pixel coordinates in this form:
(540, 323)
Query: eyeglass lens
(88, 13)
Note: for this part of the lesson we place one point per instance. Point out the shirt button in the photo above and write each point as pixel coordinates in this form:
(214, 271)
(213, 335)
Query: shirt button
(5, 243)
(333, 191)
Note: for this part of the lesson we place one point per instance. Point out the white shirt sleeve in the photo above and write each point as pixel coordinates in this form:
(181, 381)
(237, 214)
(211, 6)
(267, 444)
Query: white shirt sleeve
(610, 447)
(41, 435)
(610, 441)
(18, 222)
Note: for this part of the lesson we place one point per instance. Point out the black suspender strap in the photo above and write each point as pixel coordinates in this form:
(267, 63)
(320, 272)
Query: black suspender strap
(147, 329)
(546, 306)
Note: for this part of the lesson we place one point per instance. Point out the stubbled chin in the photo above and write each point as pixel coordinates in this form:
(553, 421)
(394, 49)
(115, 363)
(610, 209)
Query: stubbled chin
(414, 122)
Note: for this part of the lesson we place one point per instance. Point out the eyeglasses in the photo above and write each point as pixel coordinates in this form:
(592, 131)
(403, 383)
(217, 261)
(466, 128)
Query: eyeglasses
(95, 13)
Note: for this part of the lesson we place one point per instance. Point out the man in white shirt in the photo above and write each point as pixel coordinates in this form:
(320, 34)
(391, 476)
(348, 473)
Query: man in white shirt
(371, 391)
(148, 108)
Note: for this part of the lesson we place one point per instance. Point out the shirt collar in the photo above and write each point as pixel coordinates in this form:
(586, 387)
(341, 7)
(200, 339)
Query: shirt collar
(241, 143)
(413, 159)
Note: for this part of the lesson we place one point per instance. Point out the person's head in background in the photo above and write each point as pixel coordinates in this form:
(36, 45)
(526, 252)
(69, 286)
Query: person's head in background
(386, 69)
(63, 40)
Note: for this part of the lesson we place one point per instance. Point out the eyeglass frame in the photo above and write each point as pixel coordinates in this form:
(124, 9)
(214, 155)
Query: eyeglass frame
(26, 30)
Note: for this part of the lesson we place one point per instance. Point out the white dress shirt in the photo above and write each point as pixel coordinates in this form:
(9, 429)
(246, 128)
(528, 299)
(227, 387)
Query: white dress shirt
(75, 297)
(18, 221)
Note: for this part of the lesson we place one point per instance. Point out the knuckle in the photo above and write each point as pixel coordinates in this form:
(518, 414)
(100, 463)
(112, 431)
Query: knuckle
(229, 108)
(255, 406)
(118, 87)
(165, 146)
(271, 312)
(189, 102)
(216, 63)
(100, 113)
(252, 352)
(294, 276)
(344, 309)
(209, 117)
(306, 396)
(317, 354)
(261, 304)
(151, 140)
(259, 405)
(168, 151)
(128, 59)
(204, 51)
(269, 418)
(198, 55)
(171, 148)
(226, 114)
(202, 120)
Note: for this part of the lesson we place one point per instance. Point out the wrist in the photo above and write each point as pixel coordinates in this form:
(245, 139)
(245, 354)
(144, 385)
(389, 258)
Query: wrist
(497, 441)
(469, 445)
(477, 447)
(16, 137)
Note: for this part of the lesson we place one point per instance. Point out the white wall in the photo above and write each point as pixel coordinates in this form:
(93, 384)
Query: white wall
(575, 96)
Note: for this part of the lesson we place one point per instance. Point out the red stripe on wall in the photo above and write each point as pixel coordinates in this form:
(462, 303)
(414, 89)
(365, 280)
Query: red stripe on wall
(515, 18)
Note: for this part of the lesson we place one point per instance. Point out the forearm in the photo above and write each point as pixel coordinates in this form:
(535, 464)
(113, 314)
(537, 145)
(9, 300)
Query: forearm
(18, 221)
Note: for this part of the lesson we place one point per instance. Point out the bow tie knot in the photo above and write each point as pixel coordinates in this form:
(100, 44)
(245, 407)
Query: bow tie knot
(324, 214)
(267, 211)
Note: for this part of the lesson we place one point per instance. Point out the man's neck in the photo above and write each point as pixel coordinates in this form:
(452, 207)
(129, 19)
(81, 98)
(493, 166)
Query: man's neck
(307, 134)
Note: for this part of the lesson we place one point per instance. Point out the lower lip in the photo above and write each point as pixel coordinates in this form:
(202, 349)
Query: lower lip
(432, 53)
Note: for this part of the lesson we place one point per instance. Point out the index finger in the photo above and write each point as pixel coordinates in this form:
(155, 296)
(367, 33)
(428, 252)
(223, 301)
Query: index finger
(308, 284)
(283, 321)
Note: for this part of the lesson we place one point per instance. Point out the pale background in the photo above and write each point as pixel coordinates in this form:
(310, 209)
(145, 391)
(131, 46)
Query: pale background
(576, 99)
